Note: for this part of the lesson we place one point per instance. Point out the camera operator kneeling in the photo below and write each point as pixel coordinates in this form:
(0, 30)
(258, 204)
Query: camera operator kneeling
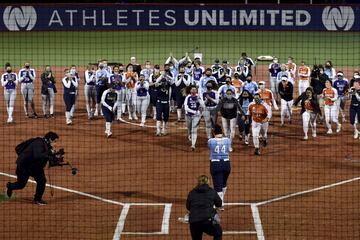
(33, 156)
(202, 214)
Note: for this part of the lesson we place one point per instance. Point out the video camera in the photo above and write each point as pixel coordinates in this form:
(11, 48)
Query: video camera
(57, 159)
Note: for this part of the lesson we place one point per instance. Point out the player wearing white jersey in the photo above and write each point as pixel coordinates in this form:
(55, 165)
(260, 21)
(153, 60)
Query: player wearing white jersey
(9, 81)
(27, 77)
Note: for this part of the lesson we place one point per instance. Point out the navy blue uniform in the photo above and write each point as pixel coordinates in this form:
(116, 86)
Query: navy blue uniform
(108, 100)
(354, 105)
(69, 93)
(219, 161)
(162, 100)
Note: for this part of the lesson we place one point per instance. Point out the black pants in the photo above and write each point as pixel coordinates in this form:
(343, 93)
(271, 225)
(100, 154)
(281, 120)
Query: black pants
(23, 177)
(198, 228)
(162, 111)
(220, 172)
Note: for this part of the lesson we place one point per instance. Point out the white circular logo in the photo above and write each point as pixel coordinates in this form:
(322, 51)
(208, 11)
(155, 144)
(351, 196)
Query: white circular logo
(20, 18)
(338, 18)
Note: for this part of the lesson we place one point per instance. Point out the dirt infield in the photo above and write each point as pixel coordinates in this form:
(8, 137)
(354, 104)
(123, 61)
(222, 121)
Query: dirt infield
(134, 185)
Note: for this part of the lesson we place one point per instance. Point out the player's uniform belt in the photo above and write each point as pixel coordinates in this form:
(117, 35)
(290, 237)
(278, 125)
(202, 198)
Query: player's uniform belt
(162, 101)
(218, 160)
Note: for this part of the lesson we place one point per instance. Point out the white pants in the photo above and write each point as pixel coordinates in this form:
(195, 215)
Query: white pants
(331, 115)
(193, 123)
(142, 104)
(274, 86)
(286, 109)
(229, 126)
(49, 99)
(303, 85)
(258, 128)
(131, 100)
(120, 101)
(10, 96)
(309, 117)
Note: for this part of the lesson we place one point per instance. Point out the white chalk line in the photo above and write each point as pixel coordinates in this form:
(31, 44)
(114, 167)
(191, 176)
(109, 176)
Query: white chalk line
(137, 124)
(124, 212)
(121, 222)
(71, 191)
(257, 221)
(307, 191)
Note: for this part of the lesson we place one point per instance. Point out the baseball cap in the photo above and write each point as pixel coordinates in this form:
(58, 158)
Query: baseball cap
(284, 78)
(340, 74)
(262, 83)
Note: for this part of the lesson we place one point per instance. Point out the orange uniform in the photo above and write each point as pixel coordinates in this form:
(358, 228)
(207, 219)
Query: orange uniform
(328, 94)
(304, 73)
(237, 83)
(258, 112)
(267, 96)
(131, 84)
(308, 106)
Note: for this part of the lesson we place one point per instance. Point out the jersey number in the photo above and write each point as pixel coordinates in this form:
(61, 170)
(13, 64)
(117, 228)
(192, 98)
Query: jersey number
(218, 150)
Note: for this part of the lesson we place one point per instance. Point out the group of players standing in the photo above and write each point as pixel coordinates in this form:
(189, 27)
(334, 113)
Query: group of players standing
(185, 85)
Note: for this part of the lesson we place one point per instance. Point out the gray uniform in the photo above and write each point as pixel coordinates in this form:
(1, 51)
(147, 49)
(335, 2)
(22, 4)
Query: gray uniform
(9, 81)
(26, 78)
(90, 92)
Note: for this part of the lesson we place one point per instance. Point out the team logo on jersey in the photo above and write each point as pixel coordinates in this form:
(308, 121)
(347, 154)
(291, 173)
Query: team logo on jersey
(338, 18)
(19, 18)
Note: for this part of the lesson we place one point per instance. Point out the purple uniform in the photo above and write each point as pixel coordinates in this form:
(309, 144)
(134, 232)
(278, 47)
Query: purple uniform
(193, 104)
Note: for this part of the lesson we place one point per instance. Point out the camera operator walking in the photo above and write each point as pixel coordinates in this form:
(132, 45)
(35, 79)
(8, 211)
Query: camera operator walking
(33, 156)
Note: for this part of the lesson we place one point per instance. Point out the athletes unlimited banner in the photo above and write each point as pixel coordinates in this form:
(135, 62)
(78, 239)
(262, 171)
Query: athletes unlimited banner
(60, 17)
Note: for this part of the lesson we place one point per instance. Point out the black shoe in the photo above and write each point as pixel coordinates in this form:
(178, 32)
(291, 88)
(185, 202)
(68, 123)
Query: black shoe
(240, 137)
(264, 142)
(40, 202)
(257, 152)
(8, 191)
(52, 116)
(35, 115)
(46, 116)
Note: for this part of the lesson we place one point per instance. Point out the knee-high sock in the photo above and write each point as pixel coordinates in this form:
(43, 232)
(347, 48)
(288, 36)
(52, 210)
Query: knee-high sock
(158, 126)
(178, 113)
(108, 127)
(221, 195)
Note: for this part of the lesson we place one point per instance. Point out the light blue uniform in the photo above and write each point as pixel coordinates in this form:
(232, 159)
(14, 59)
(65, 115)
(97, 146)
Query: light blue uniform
(220, 163)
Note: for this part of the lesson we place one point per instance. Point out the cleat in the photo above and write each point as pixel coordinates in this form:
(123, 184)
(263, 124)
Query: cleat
(109, 134)
(356, 134)
(68, 122)
(8, 191)
(40, 202)
(257, 151)
(222, 208)
(314, 134)
(130, 118)
(247, 137)
(142, 124)
(184, 219)
(329, 131)
(338, 129)
(135, 117)
(192, 148)
(240, 137)
(306, 137)
(264, 142)
(52, 116)
(230, 149)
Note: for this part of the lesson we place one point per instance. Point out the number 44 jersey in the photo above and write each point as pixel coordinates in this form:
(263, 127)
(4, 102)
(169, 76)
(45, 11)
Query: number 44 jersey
(219, 148)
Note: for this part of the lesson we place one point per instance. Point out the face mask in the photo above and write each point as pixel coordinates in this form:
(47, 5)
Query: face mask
(257, 100)
(209, 88)
(321, 71)
(229, 97)
(208, 74)
(8, 71)
(147, 66)
(276, 61)
(262, 87)
(121, 70)
(308, 94)
(248, 80)
(167, 70)
(181, 72)
(193, 93)
(27, 66)
(105, 64)
(72, 71)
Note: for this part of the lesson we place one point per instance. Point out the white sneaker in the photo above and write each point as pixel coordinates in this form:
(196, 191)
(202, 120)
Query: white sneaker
(306, 137)
(9, 120)
(356, 134)
(68, 122)
(142, 124)
(130, 118)
(230, 149)
(108, 134)
(314, 134)
(96, 113)
(184, 219)
(247, 137)
(329, 131)
(338, 129)
(135, 117)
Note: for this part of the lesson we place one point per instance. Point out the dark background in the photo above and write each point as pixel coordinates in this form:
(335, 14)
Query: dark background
(197, 1)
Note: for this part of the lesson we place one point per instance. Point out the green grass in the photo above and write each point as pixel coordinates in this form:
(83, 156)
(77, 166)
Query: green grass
(65, 48)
